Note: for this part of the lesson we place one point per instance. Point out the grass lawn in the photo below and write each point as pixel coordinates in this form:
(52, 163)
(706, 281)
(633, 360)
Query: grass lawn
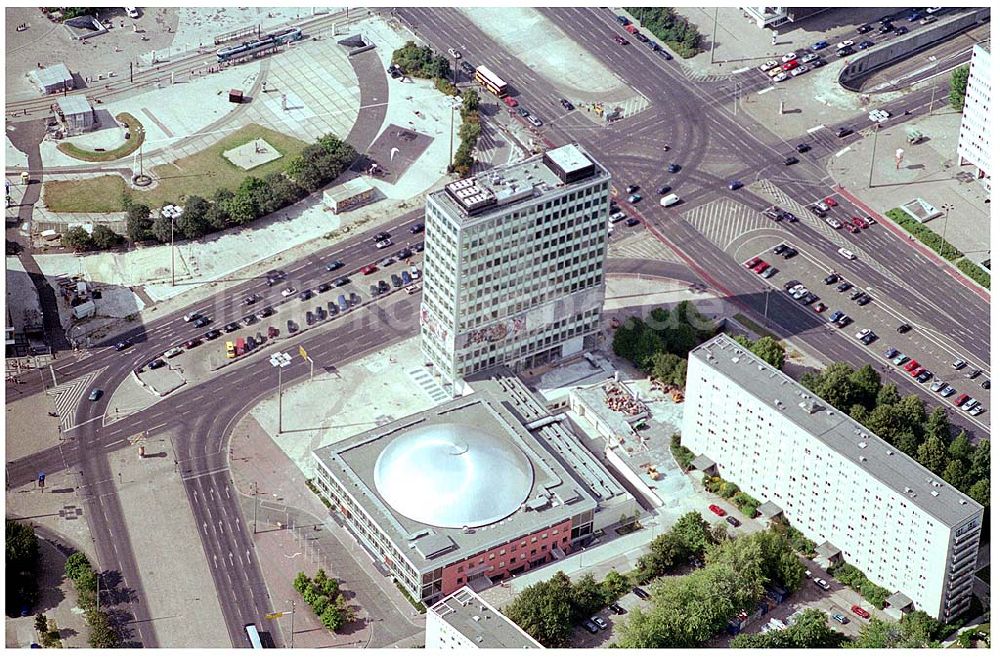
(200, 174)
(135, 139)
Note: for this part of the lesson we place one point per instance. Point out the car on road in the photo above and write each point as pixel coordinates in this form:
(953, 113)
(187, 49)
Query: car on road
(622, 19)
(789, 217)
(816, 210)
(203, 321)
(864, 45)
(673, 167)
(927, 20)
(862, 29)
(846, 253)
(95, 394)
(510, 101)
(822, 584)
(664, 54)
(621, 41)
(790, 160)
(123, 345)
(533, 120)
(380, 236)
(288, 292)
(718, 511)
(847, 43)
(566, 105)
(767, 66)
(886, 28)
(820, 45)
(155, 364)
(830, 202)
(802, 148)
(382, 244)
(632, 221)
(641, 593)
(859, 223)
(334, 265)
(901, 30)
(212, 334)
(733, 521)
(191, 317)
(843, 132)
(735, 184)
(833, 222)
(617, 609)
(844, 52)
(774, 212)
(841, 618)
(879, 116)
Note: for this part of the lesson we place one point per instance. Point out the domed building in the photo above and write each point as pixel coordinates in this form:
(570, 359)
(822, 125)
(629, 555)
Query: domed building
(473, 491)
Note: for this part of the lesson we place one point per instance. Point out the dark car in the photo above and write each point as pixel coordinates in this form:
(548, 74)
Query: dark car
(790, 160)
(95, 394)
(843, 132)
(862, 29)
(632, 221)
(735, 184)
(791, 252)
(332, 308)
(156, 363)
(305, 294)
(232, 326)
(396, 281)
(335, 265)
(641, 593)
(310, 318)
(802, 148)
(617, 609)
(378, 237)
(816, 210)
(901, 30)
(591, 626)
(789, 217)
(292, 327)
(664, 54)
(673, 167)
(791, 284)
(468, 68)
(566, 104)
(123, 345)
(251, 299)
(780, 249)
(886, 28)
(417, 248)
(191, 344)
(202, 322)
(864, 45)
(903, 328)
(323, 287)
(341, 281)
(631, 189)
(320, 313)
(663, 189)
(266, 311)
(249, 319)
(212, 334)
(844, 52)
(844, 287)
(404, 253)
(831, 279)
(416, 228)
(733, 521)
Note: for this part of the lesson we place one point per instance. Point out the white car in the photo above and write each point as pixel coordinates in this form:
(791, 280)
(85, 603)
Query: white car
(454, 53)
(781, 77)
(861, 334)
(845, 44)
(846, 253)
(823, 206)
(617, 217)
(798, 70)
(669, 200)
(821, 583)
(382, 244)
(768, 65)
(288, 292)
(788, 57)
(133, 12)
(878, 116)
(808, 57)
(172, 352)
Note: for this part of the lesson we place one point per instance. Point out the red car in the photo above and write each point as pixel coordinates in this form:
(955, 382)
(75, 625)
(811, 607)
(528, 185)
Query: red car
(859, 611)
(718, 511)
(911, 366)
(830, 201)
(819, 307)
(369, 269)
(510, 102)
(621, 41)
(853, 229)
(788, 66)
(752, 263)
(961, 399)
(761, 266)
(860, 223)
(916, 372)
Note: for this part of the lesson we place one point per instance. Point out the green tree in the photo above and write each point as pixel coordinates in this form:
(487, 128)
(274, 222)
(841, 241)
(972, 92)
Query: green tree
(41, 623)
(865, 386)
(77, 239)
(979, 467)
(218, 215)
(544, 610)
(102, 633)
(138, 222)
(77, 566)
(588, 596)
(767, 348)
(956, 474)
(980, 492)
(161, 229)
(858, 412)
(105, 238)
(959, 83)
(614, 586)
(193, 222)
(933, 455)
(301, 582)
(470, 101)
(937, 425)
(887, 395)
(22, 564)
(664, 367)
(809, 631)
(959, 448)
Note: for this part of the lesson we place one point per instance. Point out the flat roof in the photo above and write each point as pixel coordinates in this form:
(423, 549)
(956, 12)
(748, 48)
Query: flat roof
(477, 620)
(837, 430)
(502, 406)
(73, 105)
(56, 74)
(496, 190)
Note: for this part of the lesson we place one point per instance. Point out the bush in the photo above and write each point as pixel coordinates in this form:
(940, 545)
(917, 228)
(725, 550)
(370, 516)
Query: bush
(681, 454)
(22, 565)
(748, 504)
(323, 595)
(446, 87)
(681, 36)
(77, 239)
(728, 490)
(421, 61)
(800, 542)
(105, 238)
(924, 234)
(959, 83)
(856, 580)
(974, 272)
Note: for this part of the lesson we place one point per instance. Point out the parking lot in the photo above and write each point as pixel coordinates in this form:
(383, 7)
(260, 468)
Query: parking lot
(826, 291)
(261, 324)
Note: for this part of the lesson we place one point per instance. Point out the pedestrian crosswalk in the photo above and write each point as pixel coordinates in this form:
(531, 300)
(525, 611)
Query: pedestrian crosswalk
(424, 380)
(67, 396)
(771, 191)
(726, 220)
(641, 245)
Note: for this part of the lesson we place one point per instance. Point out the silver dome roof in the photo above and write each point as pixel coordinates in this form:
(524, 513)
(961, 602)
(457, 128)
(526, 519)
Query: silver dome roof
(450, 475)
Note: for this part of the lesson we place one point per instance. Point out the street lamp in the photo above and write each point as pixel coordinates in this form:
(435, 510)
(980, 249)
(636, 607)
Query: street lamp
(871, 171)
(280, 360)
(767, 298)
(947, 208)
(172, 213)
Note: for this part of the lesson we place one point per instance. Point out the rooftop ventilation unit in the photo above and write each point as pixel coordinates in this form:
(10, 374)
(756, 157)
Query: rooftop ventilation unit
(889, 452)
(861, 458)
(962, 501)
(862, 445)
(907, 490)
(935, 493)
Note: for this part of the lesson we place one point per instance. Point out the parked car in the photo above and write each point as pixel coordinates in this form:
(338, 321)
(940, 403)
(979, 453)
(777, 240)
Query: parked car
(305, 295)
(822, 584)
(591, 626)
(172, 352)
(599, 622)
(673, 167)
(212, 334)
(617, 609)
(123, 345)
(841, 618)
(733, 521)
(334, 265)
(156, 363)
(369, 269)
(802, 148)
(718, 511)
(641, 593)
(288, 292)
(95, 394)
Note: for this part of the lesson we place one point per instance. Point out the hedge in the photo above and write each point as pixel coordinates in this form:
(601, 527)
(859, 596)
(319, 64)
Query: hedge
(924, 234)
(681, 454)
(974, 272)
(858, 581)
(136, 136)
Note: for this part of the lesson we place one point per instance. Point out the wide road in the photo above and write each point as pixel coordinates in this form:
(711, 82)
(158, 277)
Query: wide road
(713, 146)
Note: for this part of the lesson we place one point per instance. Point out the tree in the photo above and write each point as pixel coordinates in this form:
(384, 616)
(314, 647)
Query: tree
(979, 467)
(162, 229)
(105, 238)
(301, 582)
(956, 475)
(959, 448)
(41, 623)
(666, 367)
(193, 222)
(809, 631)
(77, 239)
(959, 83)
(77, 565)
(933, 455)
(865, 386)
(22, 563)
(766, 347)
(887, 394)
(937, 425)
(218, 215)
(980, 492)
(138, 222)
(544, 610)
(102, 633)
(588, 596)
(614, 586)
(470, 101)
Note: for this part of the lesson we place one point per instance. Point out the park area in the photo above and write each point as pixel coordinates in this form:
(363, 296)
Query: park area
(199, 174)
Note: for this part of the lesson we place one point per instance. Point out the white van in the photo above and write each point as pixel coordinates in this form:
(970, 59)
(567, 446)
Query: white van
(669, 200)
(849, 255)
(133, 12)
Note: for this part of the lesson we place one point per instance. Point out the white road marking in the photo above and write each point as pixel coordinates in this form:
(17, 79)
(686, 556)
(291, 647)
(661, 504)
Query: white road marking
(842, 151)
(815, 128)
(764, 91)
(746, 68)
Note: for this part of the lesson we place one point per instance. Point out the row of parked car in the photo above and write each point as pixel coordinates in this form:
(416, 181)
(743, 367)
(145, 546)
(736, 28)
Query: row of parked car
(911, 366)
(640, 37)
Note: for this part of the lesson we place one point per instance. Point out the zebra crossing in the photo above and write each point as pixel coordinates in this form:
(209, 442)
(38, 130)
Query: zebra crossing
(424, 380)
(695, 76)
(766, 188)
(67, 396)
(641, 245)
(725, 220)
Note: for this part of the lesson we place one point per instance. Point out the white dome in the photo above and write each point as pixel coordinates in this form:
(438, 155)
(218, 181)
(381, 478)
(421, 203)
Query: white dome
(452, 475)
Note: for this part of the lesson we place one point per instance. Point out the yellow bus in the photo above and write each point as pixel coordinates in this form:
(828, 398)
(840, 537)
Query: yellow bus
(230, 349)
(491, 81)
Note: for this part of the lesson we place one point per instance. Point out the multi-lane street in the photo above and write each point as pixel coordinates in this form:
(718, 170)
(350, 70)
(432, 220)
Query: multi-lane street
(711, 142)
